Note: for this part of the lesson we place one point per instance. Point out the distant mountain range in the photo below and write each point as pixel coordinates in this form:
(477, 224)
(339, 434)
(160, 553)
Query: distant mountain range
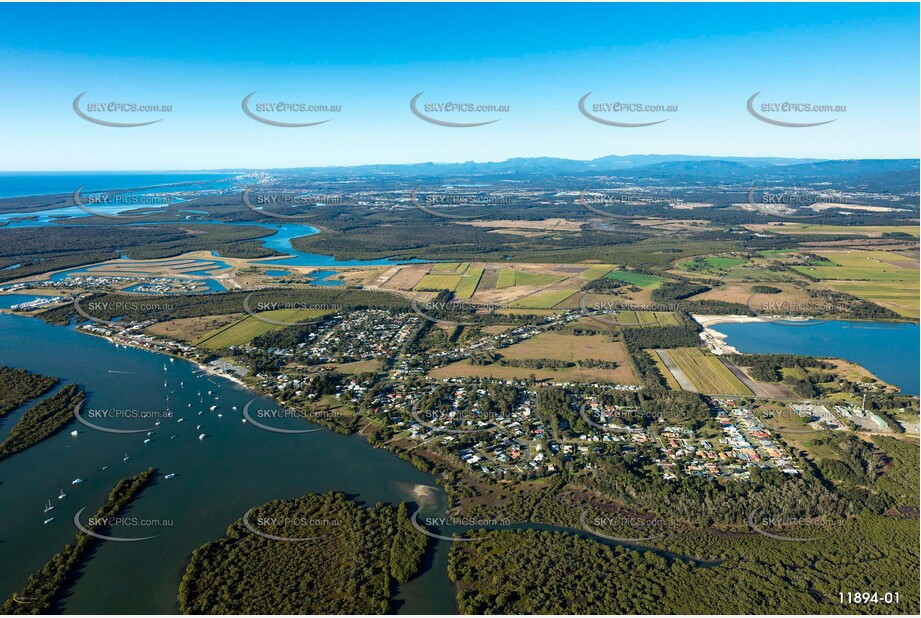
(659, 167)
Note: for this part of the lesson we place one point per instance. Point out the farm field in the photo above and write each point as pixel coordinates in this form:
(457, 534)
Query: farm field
(888, 279)
(707, 373)
(250, 327)
(468, 283)
(663, 370)
(637, 279)
(557, 346)
(509, 277)
(545, 299)
(190, 329)
(597, 271)
(712, 264)
(438, 282)
(647, 318)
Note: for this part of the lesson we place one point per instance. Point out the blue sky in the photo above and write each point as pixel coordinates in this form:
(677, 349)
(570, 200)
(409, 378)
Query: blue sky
(538, 59)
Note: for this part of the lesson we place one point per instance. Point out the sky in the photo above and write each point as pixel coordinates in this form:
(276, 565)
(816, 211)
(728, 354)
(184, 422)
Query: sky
(539, 60)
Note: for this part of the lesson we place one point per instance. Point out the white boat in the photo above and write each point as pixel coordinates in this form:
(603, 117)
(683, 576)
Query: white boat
(126, 457)
(49, 507)
(105, 467)
(49, 520)
(233, 407)
(201, 437)
(244, 420)
(157, 424)
(170, 475)
(147, 441)
(220, 416)
(180, 420)
(62, 495)
(76, 481)
(197, 427)
(149, 433)
(213, 408)
(74, 432)
(172, 437)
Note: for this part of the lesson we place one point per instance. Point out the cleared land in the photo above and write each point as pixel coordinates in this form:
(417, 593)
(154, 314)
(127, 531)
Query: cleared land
(246, 329)
(510, 277)
(545, 299)
(647, 318)
(871, 231)
(468, 283)
(191, 329)
(557, 346)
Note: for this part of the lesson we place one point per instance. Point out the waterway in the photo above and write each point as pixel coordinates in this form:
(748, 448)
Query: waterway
(218, 479)
(890, 351)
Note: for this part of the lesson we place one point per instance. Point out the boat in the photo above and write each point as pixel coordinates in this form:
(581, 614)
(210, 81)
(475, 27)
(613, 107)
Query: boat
(62, 495)
(244, 420)
(76, 481)
(149, 433)
(172, 437)
(126, 457)
(233, 407)
(197, 427)
(180, 420)
(170, 475)
(49, 507)
(105, 467)
(220, 416)
(147, 441)
(201, 437)
(49, 520)
(213, 408)
(157, 424)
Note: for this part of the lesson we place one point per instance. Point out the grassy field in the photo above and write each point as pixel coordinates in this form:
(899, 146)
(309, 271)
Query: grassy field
(438, 282)
(190, 329)
(509, 277)
(545, 299)
(445, 268)
(638, 279)
(558, 346)
(647, 318)
(597, 271)
(468, 283)
(707, 373)
(888, 279)
(247, 328)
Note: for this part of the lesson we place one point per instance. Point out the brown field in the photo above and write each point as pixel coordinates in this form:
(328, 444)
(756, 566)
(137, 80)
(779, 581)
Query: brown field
(557, 346)
(190, 329)
(407, 277)
(545, 225)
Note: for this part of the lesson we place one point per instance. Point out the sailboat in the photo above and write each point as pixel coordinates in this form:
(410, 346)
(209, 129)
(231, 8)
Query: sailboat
(62, 495)
(126, 457)
(49, 520)
(49, 507)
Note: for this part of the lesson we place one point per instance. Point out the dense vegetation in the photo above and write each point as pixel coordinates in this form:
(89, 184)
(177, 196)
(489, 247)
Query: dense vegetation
(43, 420)
(536, 572)
(44, 589)
(362, 553)
(18, 386)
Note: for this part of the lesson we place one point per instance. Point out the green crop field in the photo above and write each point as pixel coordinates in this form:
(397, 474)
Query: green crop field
(510, 277)
(545, 299)
(438, 282)
(637, 279)
(246, 329)
(446, 268)
(468, 283)
(712, 264)
(597, 271)
(647, 318)
(707, 373)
